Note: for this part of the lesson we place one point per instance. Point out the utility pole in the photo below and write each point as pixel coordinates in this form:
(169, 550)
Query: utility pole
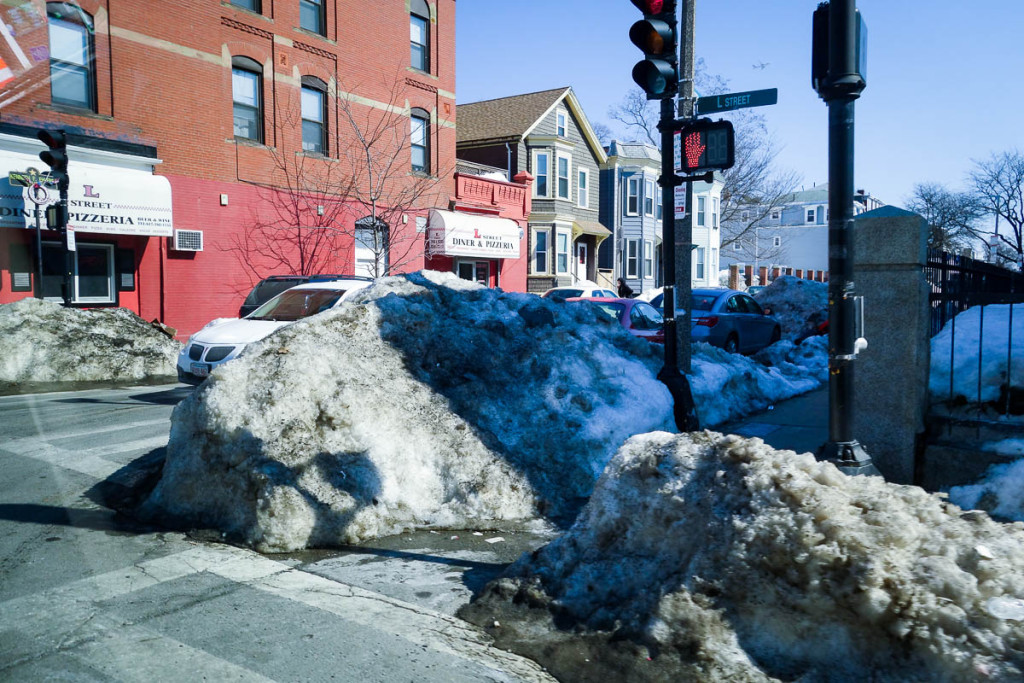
(837, 73)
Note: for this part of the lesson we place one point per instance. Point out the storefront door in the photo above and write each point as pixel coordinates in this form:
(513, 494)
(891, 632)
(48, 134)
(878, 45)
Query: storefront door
(477, 271)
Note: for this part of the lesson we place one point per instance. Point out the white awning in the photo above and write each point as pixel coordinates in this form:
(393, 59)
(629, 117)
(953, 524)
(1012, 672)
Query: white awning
(452, 233)
(101, 199)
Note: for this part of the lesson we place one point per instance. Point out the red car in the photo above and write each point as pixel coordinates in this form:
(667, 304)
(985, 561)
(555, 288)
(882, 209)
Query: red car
(638, 317)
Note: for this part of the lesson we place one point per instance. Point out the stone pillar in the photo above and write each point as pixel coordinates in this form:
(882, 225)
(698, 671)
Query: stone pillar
(890, 381)
(734, 276)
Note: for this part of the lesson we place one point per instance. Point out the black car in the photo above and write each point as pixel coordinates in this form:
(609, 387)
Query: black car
(271, 286)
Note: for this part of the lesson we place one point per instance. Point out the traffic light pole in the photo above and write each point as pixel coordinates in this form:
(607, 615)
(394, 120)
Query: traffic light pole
(843, 88)
(66, 289)
(683, 242)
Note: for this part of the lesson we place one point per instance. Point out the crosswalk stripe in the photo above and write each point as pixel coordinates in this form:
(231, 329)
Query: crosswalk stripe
(90, 461)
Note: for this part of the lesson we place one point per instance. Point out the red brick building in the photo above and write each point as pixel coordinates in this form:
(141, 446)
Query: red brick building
(214, 142)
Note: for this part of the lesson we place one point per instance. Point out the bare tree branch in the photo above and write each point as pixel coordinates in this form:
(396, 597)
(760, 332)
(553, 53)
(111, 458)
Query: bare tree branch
(952, 217)
(998, 183)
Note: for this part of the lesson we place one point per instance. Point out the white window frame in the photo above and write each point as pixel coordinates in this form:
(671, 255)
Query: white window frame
(648, 197)
(561, 123)
(776, 241)
(775, 214)
(537, 153)
(568, 176)
(583, 188)
(714, 212)
(811, 216)
(701, 211)
(546, 231)
(648, 259)
(714, 261)
(633, 193)
(111, 274)
(563, 245)
(736, 246)
(658, 211)
(632, 258)
(698, 266)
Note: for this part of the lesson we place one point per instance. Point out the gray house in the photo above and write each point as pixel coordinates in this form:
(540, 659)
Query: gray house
(547, 135)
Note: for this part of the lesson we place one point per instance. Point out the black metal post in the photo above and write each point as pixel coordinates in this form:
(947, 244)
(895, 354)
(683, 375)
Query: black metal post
(39, 254)
(67, 287)
(844, 86)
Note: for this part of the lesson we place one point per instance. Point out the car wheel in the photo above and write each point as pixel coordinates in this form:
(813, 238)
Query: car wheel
(776, 335)
(732, 344)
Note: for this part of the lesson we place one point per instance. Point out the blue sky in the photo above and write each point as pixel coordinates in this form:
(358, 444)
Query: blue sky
(945, 79)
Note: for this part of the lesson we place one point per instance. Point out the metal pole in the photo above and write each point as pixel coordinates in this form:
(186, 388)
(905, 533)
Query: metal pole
(684, 228)
(845, 84)
(39, 255)
(67, 290)
(677, 341)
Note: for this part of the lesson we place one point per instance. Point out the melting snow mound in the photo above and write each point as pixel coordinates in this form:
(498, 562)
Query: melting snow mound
(798, 304)
(43, 342)
(425, 401)
(709, 557)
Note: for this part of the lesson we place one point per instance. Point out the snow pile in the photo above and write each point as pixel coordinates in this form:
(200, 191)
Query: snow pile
(798, 304)
(966, 332)
(43, 342)
(1001, 490)
(710, 557)
(428, 400)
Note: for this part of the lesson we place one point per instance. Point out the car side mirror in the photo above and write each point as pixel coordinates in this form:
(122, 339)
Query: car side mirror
(767, 310)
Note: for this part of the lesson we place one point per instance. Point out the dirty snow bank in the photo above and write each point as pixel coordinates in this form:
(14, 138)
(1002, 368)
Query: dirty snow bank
(429, 401)
(709, 557)
(43, 342)
(798, 304)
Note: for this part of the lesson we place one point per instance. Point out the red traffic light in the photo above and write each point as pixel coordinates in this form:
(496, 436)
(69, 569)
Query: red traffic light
(655, 6)
(706, 145)
(54, 139)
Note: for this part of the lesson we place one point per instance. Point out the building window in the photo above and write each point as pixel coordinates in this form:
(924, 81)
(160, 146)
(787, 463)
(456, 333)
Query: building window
(311, 16)
(372, 247)
(648, 197)
(419, 34)
(562, 252)
(541, 172)
(632, 258)
(561, 120)
(736, 246)
(540, 251)
(246, 77)
(776, 241)
(657, 208)
(314, 115)
(92, 278)
(648, 259)
(775, 215)
(419, 141)
(563, 177)
(698, 269)
(72, 59)
(744, 215)
(251, 5)
(701, 201)
(714, 212)
(583, 194)
(810, 215)
(632, 196)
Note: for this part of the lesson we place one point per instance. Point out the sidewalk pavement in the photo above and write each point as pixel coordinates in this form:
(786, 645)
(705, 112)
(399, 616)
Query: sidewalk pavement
(799, 424)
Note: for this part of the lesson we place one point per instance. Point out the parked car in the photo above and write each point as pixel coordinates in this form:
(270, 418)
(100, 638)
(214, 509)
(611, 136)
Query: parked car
(638, 317)
(582, 289)
(269, 287)
(731, 320)
(225, 338)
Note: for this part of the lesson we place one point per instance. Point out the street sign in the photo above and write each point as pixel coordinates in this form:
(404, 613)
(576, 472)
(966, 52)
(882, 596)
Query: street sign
(30, 177)
(38, 194)
(737, 100)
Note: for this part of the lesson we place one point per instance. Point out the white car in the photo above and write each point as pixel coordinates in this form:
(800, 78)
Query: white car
(580, 289)
(224, 338)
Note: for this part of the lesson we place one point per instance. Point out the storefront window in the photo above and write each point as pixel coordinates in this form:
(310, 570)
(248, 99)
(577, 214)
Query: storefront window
(93, 273)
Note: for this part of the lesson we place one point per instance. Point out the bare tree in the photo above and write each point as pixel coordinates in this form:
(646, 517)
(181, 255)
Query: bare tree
(316, 211)
(998, 183)
(752, 188)
(952, 217)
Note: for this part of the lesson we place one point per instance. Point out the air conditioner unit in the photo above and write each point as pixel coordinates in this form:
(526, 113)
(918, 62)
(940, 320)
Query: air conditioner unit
(188, 240)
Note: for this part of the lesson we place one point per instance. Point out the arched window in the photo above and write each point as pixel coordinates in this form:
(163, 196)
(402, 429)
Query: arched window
(72, 56)
(419, 32)
(314, 115)
(419, 140)
(247, 96)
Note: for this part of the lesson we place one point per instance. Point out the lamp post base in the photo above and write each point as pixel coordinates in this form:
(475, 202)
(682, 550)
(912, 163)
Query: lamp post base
(850, 457)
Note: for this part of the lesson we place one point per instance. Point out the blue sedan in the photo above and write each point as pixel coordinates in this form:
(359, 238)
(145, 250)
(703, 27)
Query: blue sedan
(730, 320)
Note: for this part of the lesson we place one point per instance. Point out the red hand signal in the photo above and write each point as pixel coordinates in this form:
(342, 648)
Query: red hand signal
(694, 149)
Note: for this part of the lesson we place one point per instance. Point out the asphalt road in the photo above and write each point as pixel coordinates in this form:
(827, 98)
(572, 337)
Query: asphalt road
(88, 594)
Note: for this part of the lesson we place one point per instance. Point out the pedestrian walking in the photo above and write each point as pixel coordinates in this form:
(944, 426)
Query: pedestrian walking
(625, 291)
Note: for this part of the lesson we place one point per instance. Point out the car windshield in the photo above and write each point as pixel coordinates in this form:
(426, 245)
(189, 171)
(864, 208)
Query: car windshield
(269, 289)
(609, 310)
(296, 304)
(564, 293)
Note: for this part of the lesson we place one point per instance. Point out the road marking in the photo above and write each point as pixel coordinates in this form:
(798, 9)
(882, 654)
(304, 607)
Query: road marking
(78, 621)
(90, 461)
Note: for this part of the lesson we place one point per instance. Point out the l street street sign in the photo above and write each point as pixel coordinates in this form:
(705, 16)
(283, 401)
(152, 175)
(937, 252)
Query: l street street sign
(737, 100)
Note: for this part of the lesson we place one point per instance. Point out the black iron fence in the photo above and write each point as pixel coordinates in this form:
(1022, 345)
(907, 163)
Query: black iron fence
(959, 283)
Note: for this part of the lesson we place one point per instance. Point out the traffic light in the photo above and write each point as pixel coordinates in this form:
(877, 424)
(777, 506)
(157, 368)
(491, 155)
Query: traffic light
(706, 145)
(56, 157)
(655, 34)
